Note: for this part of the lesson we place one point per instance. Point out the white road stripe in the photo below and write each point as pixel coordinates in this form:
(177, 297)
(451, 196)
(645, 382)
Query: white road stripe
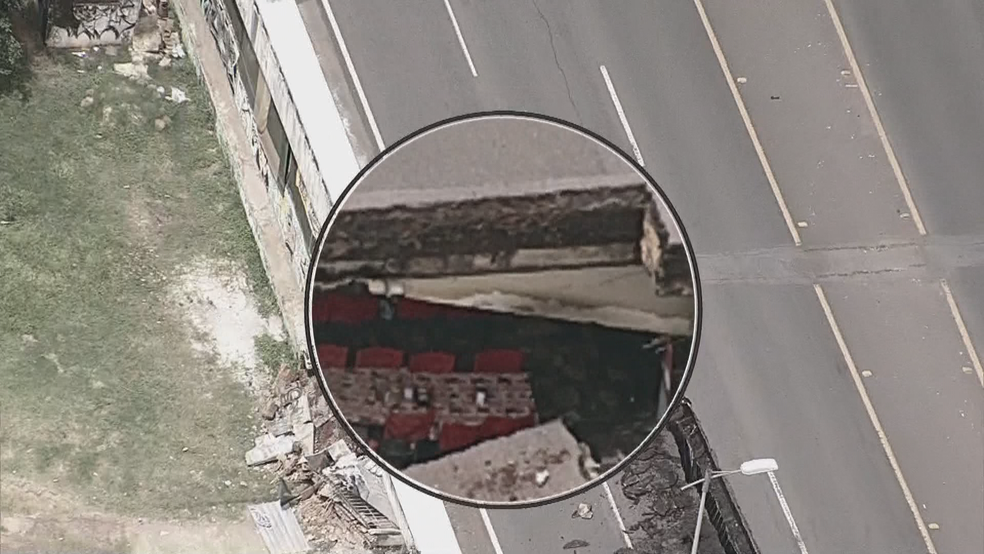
(428, 520)
(869, 407)
(461, 38)
(355, 77)
(789, 515)
(488, 527)
(621, 115)
(618, 515)
(748, 123)
(863, 87)
(962, 328)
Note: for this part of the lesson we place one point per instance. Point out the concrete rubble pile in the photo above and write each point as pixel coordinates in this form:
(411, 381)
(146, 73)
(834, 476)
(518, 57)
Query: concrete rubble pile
(340, 497)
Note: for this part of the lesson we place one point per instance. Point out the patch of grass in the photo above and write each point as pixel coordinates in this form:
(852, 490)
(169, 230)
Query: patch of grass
(100, 388)
(274, 353)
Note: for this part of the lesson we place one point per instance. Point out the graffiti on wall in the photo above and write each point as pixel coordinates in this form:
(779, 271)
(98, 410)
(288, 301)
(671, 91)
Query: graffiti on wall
(97, 23)
(220, 25)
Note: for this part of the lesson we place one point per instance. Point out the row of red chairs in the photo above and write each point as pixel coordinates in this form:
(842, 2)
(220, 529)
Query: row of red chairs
(416, 426)
(341, 308)
(332, 356)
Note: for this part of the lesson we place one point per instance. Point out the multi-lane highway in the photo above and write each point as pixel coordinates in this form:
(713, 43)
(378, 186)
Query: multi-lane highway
(827, 160)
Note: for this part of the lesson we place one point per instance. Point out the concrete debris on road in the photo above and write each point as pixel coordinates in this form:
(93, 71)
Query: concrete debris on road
(541, 477)
(268, 448)
(583, 511)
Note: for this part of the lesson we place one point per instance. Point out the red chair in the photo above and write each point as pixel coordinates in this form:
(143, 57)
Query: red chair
(499, 361)
(331, 356)
(341, 308)
(501, 426)
(409, 426)
(407, 308)
(458, 435)
(379, 357)
(432, 362)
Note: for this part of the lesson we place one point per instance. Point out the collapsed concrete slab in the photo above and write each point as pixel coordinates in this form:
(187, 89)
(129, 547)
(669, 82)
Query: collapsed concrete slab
(530, 464)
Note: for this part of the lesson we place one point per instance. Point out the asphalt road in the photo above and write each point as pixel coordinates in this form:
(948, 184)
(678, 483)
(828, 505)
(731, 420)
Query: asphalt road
(772, 379)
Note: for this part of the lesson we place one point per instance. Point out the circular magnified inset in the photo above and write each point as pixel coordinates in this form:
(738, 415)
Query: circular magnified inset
(502, 308)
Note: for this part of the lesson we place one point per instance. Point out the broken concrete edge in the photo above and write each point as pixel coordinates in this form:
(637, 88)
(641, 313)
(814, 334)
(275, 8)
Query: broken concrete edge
(288, 292)
(485, 471)
(697, 457)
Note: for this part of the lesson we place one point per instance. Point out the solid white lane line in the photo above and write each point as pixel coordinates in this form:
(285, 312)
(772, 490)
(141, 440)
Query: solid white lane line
(618, 515)
(621, 115)
(789, 514)
(716, 46)
(461, 38)
(869, 407)
(863, 87)
(355, 76)
(962, 328)
(488, 527)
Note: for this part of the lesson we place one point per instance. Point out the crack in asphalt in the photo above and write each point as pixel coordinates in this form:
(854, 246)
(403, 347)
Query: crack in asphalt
(553, 48)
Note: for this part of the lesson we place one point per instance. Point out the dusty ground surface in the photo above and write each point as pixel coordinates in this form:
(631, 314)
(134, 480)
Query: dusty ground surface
(137, 325)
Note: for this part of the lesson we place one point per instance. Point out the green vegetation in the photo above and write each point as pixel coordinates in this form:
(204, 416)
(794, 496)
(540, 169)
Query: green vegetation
(107, 191)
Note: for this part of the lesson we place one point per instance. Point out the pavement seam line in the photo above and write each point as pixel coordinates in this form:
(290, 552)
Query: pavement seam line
(870, 408)
(869, 101)
(766, 166)
(488, 528)
(618, 515)
(787, 513)
(461, 38)
(350, 66)
(962, 329)
(621, 115)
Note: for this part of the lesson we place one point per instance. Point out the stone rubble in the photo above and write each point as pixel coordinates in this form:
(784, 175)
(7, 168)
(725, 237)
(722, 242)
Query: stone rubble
(334, 491)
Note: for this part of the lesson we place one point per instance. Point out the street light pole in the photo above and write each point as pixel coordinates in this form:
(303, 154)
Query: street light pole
(700, 509)
(751, 467)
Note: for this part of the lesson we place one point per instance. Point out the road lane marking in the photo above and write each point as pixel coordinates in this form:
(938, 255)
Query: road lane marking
(488, 527)
(863, 87)
(962, 328)
(461, 38)
(716, 46)
(788, 513)
(621, 115)
(618, 515)
(869, 407)
(355, 76)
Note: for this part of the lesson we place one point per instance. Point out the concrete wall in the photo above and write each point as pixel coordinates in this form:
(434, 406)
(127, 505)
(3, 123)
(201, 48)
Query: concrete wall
(277, 35)
(98, 23)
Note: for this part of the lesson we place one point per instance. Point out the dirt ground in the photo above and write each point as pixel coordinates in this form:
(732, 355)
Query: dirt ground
(136, 322)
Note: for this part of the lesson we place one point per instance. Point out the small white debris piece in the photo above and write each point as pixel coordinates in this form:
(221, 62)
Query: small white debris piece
(866, 373)
(339, 449)
(583, 511)
(905, 215)
(161, 90)
(177, 96)
(742, 80)
(227, 483)
(968, 370)
(934, 526)
(164, 62)
(304, 436)
(79, 54)
(178, 51)
(802, 224)
(541, 477)
(268, 448)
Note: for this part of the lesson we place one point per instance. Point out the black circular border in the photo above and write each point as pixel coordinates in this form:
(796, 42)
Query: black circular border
(674, 402)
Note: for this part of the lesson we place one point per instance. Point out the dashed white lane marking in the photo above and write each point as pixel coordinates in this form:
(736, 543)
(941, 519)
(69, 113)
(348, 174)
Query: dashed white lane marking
(789, 514)
(461, 38)
(869, 407)
(962, 328)
(716, 46)
(488, 527)
(618, 515)
(621, 115)
(355, 76)
(863, 87)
